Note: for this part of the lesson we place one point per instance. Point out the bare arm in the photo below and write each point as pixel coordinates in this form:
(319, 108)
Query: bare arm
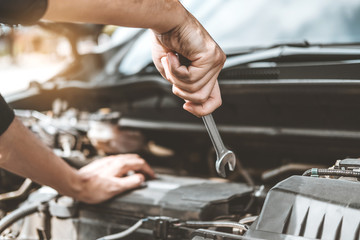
(22, 153)
(175, 31)
(159, 15)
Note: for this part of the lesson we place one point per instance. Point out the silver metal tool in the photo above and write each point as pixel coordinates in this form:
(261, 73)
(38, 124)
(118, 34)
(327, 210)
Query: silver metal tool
(223, 155)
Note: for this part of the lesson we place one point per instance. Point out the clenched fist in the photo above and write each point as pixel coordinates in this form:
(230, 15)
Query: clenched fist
(197, 82)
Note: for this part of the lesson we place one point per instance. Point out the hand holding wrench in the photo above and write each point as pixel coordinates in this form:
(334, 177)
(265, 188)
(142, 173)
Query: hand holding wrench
(223, 155)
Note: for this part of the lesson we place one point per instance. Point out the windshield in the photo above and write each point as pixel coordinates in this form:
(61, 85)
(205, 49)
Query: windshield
(245, 23)
(242, 24)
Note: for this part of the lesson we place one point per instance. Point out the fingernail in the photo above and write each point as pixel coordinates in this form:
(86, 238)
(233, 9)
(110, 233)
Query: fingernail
(141, 178)
(163, 61)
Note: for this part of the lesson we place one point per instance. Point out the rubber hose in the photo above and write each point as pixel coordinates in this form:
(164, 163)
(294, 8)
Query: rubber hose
(16, 215)
(331, 172)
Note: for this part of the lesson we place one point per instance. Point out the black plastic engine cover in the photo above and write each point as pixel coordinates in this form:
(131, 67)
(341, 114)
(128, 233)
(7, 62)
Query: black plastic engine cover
(183, 198)
(310, 208)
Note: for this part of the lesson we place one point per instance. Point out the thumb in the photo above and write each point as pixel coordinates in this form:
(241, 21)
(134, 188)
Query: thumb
(174, 61)
(165, 65)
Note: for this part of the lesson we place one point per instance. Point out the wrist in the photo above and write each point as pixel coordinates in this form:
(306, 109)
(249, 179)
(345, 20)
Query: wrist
(173, 16)
(77, 183)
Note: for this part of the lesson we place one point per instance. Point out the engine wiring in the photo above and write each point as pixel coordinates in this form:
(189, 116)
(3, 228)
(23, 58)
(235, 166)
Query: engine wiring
(126, 232)
(20, 213)
(316, 172)
(206, 224)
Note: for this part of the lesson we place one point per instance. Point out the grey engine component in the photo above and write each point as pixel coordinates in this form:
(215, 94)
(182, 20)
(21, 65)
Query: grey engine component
(310, 208)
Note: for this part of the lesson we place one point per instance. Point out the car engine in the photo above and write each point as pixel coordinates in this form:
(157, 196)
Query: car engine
(291, 97)
(321, 204)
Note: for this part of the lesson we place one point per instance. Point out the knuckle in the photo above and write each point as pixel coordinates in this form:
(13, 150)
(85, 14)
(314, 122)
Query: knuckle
(220, 58)
(223, 60)
(224, 56)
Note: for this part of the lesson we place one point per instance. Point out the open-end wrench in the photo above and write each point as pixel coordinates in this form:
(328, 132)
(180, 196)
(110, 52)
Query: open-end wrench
(223, 155)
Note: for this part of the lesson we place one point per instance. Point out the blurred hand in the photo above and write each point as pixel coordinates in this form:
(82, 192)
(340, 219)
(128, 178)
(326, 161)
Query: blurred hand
(197, 83)
(106, 177)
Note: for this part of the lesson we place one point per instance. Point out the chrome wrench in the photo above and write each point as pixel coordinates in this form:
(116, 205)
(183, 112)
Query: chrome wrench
(223, 155)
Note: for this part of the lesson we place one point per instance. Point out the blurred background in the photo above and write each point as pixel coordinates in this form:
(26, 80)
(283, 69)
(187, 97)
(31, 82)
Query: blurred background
(29, 53)
(37, 53)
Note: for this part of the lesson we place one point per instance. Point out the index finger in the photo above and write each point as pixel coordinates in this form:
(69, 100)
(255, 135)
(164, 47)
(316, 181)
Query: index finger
(137, 165)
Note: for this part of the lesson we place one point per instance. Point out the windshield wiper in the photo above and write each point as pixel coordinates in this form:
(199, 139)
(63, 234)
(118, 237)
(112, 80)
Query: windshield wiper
(299, 44)
(313, 52)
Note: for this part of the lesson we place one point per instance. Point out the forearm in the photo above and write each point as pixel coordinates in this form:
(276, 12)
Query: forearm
(23, 154)
(159, 15)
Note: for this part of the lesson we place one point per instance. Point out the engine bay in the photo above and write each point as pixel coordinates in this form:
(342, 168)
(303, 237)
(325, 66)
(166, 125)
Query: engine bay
(291, 96)
(321, 204)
